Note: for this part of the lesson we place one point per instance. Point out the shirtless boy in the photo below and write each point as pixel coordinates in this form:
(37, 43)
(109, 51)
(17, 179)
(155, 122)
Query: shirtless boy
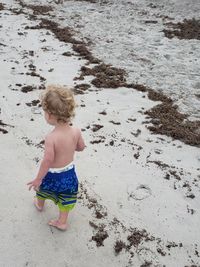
(56, 178)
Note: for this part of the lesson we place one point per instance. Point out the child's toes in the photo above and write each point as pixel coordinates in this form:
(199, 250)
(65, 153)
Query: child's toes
(35, 201)
(59, 226)
(53, 223)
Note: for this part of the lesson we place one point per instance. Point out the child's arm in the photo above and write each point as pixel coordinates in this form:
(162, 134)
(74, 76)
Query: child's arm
(80, 144)
(45, 163)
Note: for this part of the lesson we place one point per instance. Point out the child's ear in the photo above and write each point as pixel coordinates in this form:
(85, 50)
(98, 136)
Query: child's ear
(51, 116)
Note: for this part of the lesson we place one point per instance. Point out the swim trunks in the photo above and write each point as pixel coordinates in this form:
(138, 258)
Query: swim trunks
(61, 186)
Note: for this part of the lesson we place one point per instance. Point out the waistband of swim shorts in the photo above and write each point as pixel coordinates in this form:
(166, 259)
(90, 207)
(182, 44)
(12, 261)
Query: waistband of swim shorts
(63, 169)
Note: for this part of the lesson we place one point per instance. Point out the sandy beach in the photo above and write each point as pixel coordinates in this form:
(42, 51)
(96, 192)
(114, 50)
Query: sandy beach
(137, 86)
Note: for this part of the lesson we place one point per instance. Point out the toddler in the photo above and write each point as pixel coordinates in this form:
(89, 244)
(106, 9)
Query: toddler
(56, 178)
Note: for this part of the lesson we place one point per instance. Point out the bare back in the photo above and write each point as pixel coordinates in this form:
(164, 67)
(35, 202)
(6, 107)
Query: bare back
(65, 140)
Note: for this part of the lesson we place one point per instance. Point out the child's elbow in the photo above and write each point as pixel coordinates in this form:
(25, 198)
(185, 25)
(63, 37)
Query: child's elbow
(80, 147)
(47, 161)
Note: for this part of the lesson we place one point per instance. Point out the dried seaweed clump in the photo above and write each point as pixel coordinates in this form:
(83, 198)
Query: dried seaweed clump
(1, 6)
(167, 120)
(106, 76)
(188, 29)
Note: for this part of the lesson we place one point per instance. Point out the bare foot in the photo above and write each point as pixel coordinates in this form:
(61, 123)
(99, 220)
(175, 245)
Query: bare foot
(58, 225)
(35, 201)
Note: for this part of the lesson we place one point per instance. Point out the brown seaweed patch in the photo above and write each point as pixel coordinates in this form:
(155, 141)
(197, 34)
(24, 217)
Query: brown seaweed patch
(175, 175)
(134, 238)
(93, 225)
(62, 34)
(32, 67)
(28, 141)
(103, 112)
(119, 246)
(67, 54)
(3, 124)
(161, 252)
(146, 264)
(1, 6)
(100, 236)
(34, 74)
(152, 94)
(188, 29)
(190, 195)
(158, 96)
(197, 96)
(137, 236)
(136, 155)
(115, 122)
(172, 245)
(37, 9)
(92, 203)
(106, 76)
(138, 87)
(150, 21)
(97, 141)
(138, 132)
(90, 1)
(28, 88)
(96, 127)
(3, 131)
(100, 214)
(168, 121)
(159, 163)
(94, 1)
(83, 51)
(33, 103)
(81, 88)
(87, 71)
(40, 144)
(66, 35)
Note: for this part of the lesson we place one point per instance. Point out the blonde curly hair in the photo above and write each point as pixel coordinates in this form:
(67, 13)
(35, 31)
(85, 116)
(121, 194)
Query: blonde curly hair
(59, 101)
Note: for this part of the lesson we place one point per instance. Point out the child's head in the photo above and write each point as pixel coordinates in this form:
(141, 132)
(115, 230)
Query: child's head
(59, 102)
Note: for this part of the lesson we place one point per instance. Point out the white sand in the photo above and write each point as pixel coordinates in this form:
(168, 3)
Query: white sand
(131, 190)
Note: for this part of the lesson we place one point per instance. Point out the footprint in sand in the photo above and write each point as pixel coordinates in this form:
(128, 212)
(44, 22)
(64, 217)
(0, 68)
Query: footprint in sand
(140, 192)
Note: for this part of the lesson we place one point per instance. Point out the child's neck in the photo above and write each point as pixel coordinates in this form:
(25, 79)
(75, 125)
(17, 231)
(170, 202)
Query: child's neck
(59, 125)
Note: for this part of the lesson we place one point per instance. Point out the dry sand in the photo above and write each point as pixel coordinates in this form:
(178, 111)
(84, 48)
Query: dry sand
(139, 192)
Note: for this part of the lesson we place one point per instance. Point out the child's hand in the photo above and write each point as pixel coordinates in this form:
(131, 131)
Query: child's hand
(35, 184)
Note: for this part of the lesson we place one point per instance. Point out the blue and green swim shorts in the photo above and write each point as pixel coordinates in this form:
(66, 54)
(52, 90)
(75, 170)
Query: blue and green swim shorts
(61, 186)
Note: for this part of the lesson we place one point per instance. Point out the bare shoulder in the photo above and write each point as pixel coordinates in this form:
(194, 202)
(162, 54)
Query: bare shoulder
(76, 131)
(49, 138)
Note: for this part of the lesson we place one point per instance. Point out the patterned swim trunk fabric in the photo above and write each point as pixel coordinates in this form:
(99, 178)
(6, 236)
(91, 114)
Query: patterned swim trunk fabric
(61, 186)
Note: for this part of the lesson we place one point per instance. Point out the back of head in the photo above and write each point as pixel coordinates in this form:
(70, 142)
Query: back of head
(59, 101)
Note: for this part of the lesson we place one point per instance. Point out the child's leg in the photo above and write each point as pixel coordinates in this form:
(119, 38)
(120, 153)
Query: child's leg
(39, 203)
(63, 215)
(61, 222)
(69, 203)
